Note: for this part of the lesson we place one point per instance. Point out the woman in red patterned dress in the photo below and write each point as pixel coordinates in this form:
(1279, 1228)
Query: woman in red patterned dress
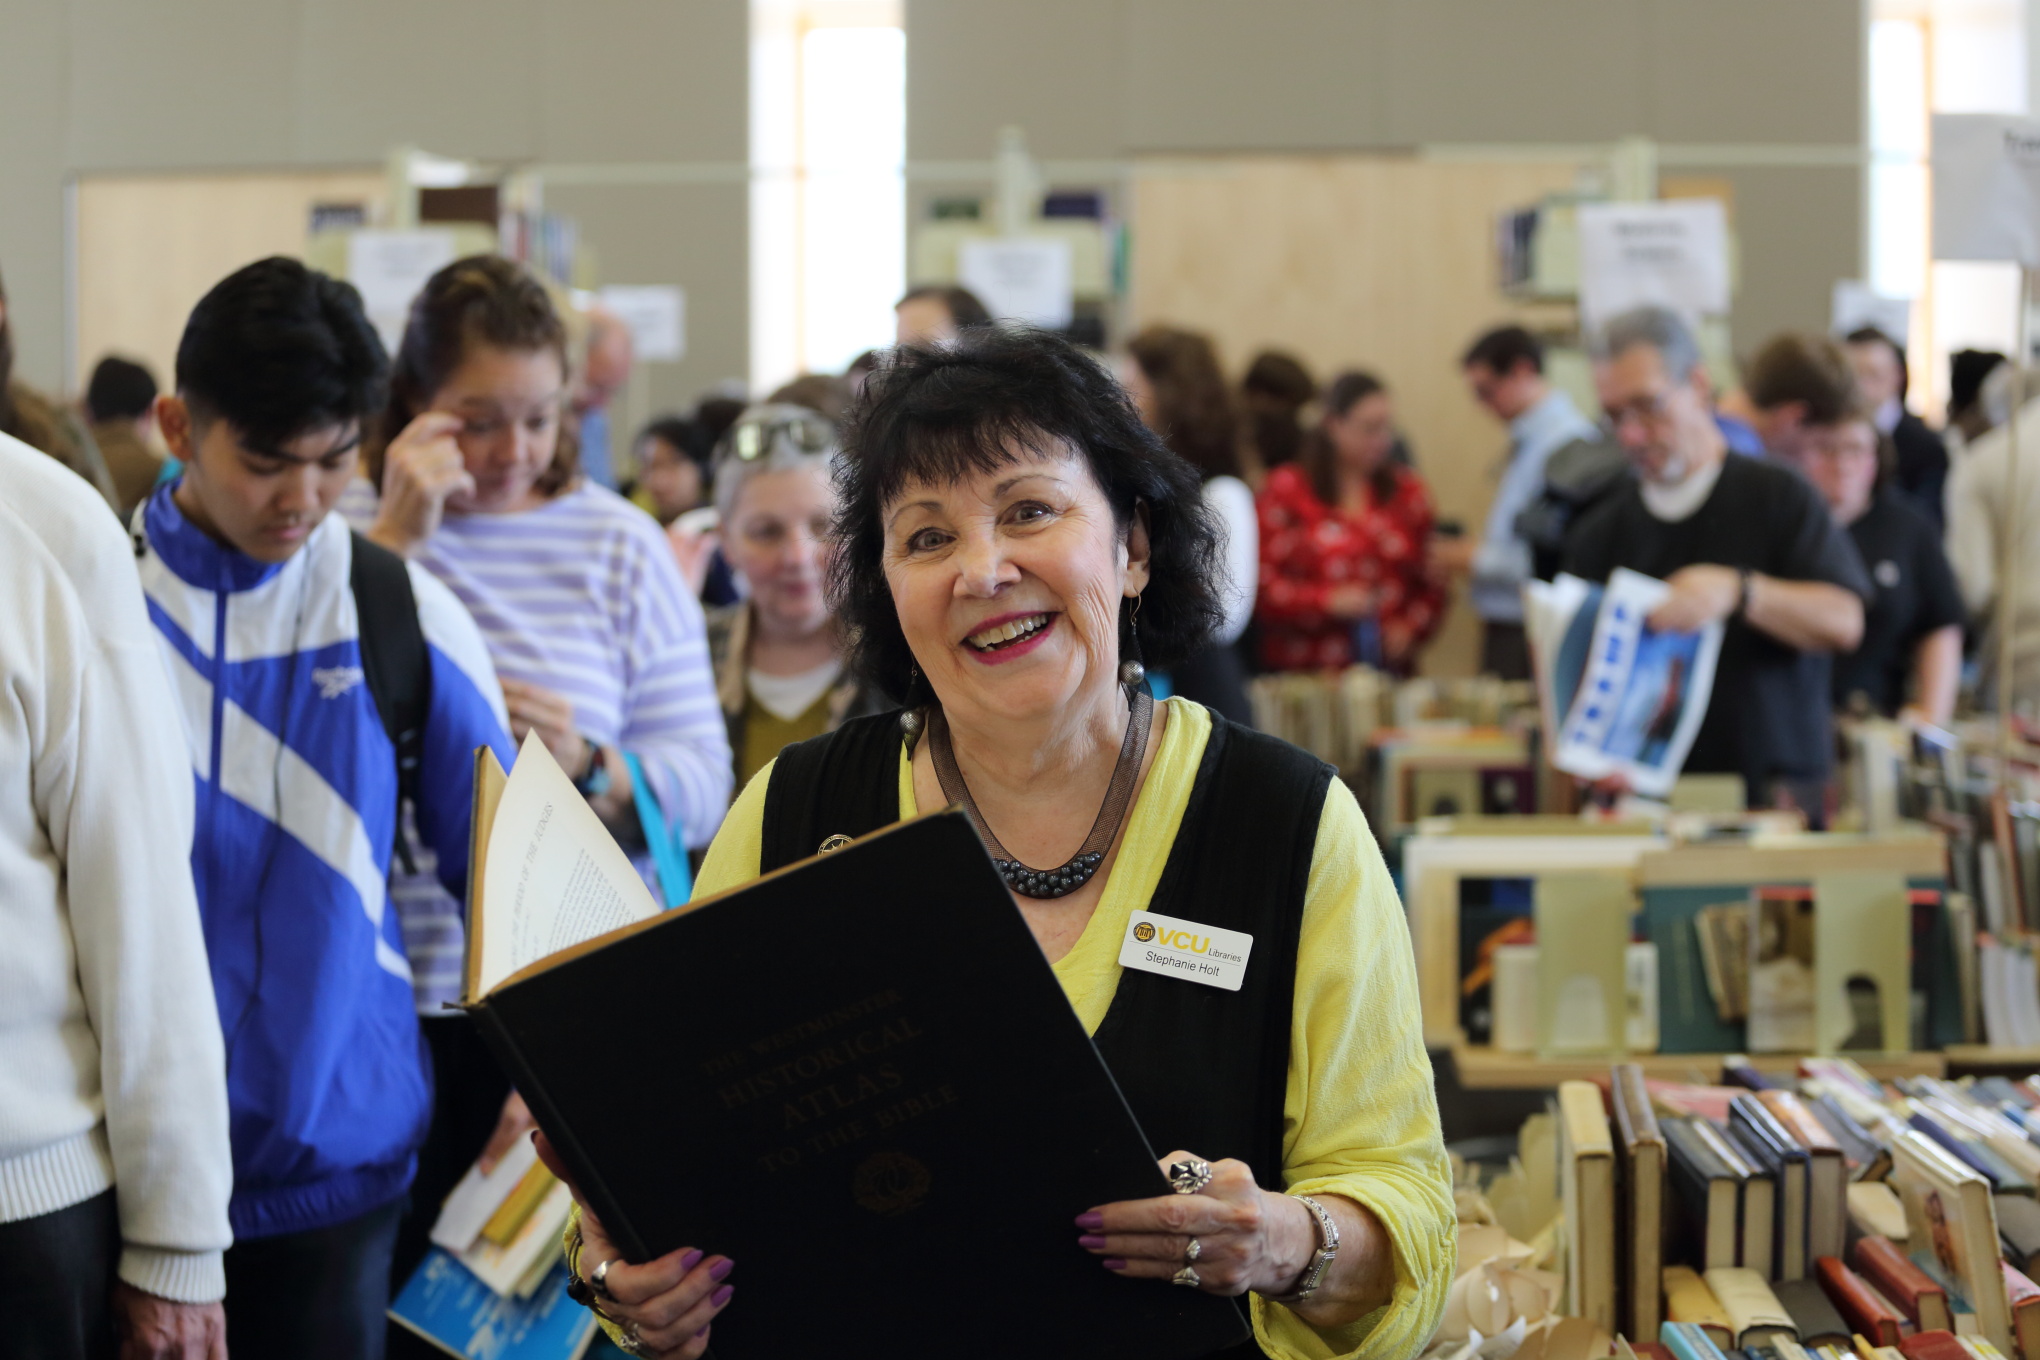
(1344, 570)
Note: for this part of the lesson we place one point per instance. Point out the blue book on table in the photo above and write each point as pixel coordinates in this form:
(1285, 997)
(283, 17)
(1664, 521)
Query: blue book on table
(448, 1306)
(1687, 1342)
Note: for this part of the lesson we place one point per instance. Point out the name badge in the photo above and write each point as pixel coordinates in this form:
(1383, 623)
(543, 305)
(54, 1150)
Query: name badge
(1177, 948)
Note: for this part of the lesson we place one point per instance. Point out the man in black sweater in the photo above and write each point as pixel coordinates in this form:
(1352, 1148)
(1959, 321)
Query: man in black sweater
(1741, 541)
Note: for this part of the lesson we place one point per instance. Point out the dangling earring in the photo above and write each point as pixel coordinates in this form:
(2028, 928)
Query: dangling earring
(910, 720)
(1131, 671)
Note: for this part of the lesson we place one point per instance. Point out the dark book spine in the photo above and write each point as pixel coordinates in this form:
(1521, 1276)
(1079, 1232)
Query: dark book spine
(586, 1181)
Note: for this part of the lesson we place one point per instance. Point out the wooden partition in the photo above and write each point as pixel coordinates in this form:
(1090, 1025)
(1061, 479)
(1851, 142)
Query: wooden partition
(1379, 262)
(149, 246)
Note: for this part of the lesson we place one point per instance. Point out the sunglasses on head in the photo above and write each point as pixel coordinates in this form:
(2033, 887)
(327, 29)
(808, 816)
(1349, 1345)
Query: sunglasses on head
(752, 439)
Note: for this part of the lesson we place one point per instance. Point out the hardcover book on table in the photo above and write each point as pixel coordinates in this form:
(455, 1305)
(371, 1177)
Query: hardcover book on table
(1813, 1314)
(1755, 1245)
(1587, 1180)
(1770, 1145)
(1895, 1276)
(1753, 1309)
(1827, 1173)
(1688, 1342)
(1867, 1312)
(1688, 1300)
(846, 1074)
(1642, 1147)
(1954, 1227)
(2019, 1230)
(1706, 1197)
(1874, 1211)
(2023, 1297)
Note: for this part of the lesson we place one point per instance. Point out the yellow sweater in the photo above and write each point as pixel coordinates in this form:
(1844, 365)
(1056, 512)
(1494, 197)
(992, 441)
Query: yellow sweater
(1361, 1119)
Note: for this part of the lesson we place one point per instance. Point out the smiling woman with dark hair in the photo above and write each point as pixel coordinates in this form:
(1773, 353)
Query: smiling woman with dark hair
(1013, 546)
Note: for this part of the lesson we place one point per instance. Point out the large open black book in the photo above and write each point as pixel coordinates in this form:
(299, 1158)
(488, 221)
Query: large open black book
(857, 1077)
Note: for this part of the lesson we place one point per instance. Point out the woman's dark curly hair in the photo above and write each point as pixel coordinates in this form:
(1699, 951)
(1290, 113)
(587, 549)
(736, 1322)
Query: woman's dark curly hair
(941, 415)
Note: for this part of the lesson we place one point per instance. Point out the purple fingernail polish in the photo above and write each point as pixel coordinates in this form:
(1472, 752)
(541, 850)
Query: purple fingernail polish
(1093, 1220)
(722, 1296)
(1114, 1263)
(721, 1269)
(1091, 1242)
(690, 1261)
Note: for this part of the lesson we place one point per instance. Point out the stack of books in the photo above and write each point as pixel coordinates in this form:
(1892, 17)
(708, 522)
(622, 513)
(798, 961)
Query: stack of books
(1827, 1216)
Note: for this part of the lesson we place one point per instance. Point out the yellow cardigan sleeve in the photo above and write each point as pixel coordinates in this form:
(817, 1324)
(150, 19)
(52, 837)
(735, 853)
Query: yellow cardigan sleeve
(1361, 1114)
(733, 856)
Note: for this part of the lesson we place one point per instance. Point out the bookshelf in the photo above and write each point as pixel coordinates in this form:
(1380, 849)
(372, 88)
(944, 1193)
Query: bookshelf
(1485, 1069)
(1435, 860)
(1433, 865)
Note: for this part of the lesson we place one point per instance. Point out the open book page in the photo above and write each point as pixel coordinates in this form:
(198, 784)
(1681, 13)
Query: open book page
(553, 876)
(1643, 693)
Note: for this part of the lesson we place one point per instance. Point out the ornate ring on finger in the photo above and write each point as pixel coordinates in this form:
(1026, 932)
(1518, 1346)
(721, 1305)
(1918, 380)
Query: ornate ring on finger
(1186, 1277)
(1189, 1176)
(632, 1342)
(1193, 1251)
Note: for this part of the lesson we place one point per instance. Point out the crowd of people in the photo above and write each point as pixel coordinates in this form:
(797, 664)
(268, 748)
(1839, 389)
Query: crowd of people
(320, 576)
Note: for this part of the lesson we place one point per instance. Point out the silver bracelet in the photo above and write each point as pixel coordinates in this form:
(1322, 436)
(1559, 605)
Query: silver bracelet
(1320, 1261)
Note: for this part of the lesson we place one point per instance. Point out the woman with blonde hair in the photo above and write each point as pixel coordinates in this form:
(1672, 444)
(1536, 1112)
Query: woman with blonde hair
(780, 672)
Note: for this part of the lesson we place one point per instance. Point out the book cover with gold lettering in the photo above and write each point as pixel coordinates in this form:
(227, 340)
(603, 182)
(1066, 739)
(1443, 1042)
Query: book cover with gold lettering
(859, 1078)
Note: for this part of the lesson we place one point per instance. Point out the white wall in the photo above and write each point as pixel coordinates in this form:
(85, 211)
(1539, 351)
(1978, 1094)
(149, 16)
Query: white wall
(1098, 79)
(128, 85)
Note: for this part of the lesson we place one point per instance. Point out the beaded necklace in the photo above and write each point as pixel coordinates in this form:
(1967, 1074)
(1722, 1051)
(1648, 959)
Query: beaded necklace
(1080, 867)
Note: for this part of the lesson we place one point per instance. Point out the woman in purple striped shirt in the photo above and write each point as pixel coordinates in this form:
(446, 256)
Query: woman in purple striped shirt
(600, 646)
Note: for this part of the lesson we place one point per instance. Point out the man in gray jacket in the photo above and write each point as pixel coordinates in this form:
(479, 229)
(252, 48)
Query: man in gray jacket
(114, 1161)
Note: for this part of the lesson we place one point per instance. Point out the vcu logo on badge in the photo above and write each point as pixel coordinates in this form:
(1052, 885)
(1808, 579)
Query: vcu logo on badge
(1144, 932)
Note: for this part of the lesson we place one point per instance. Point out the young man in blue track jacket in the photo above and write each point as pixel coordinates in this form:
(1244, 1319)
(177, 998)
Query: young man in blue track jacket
(249, 583)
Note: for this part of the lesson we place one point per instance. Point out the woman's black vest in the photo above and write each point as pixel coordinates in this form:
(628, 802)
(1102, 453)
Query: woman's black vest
(1204, 1070)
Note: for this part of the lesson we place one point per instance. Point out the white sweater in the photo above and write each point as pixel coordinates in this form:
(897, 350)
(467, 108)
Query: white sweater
(112, 1070)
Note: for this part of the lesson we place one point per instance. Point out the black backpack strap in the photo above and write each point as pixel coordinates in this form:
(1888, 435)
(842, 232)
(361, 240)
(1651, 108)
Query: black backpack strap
(394, 663)
(844, 783)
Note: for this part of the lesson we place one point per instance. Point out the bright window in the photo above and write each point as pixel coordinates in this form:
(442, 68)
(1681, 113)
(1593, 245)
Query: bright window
(1927, 57)
(828, 197)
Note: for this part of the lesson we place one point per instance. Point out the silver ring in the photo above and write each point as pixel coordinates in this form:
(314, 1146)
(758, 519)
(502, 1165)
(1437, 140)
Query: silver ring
(632, 1342)
(1186, 1277)
(1193, 1251)
(1188, 1177)
(598, 1279)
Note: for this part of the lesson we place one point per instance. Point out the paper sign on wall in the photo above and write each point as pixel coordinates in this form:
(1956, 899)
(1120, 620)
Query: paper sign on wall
(656, 315)
(1020, 279)
(1986, 188)
(389, 268)
(1672, 254)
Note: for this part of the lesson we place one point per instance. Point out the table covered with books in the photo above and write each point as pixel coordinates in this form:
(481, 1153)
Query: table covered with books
(1817, 1213)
